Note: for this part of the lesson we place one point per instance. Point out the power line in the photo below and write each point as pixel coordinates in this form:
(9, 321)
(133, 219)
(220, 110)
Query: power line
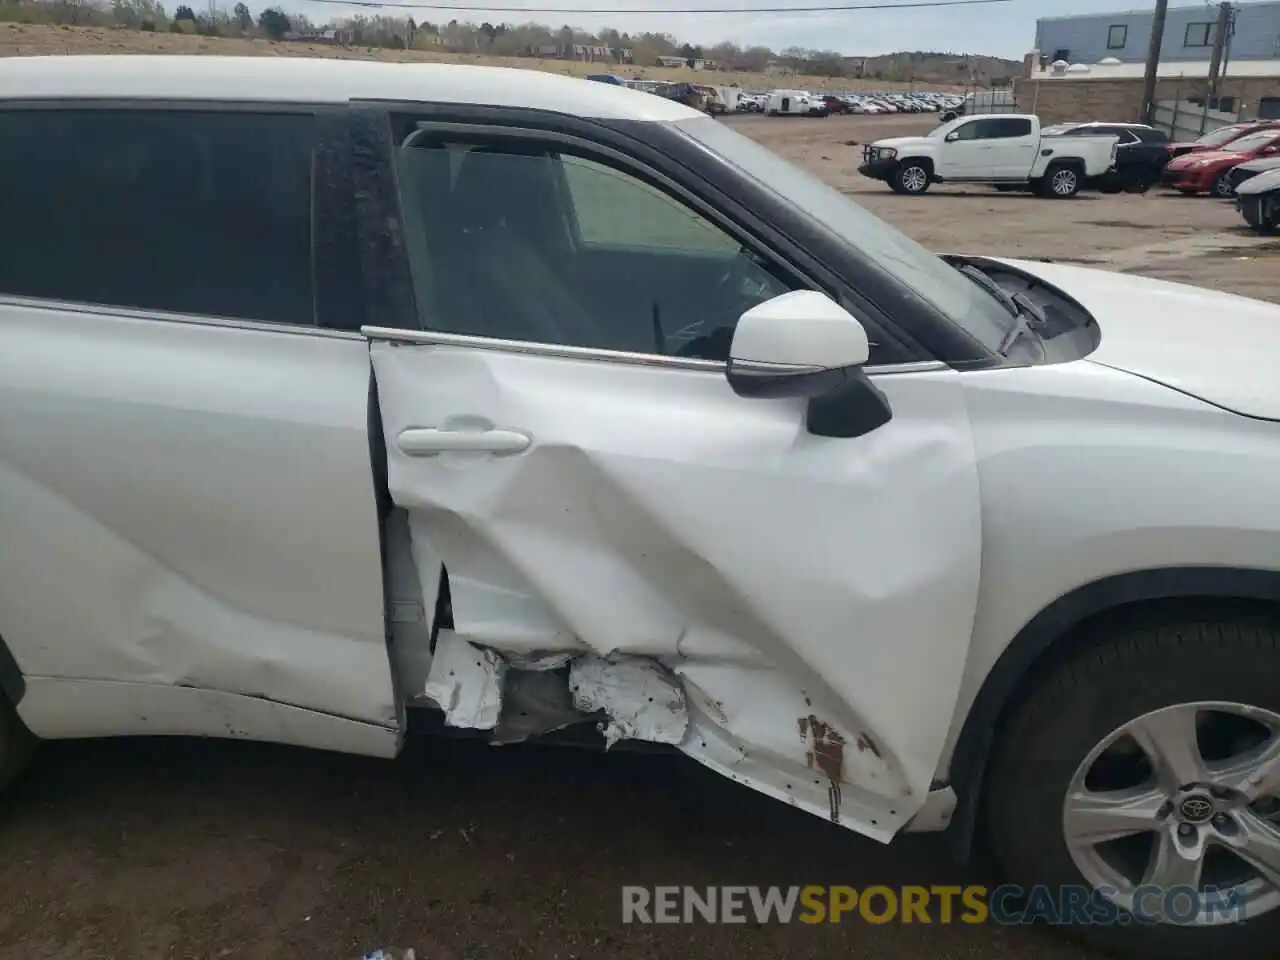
(910, 4)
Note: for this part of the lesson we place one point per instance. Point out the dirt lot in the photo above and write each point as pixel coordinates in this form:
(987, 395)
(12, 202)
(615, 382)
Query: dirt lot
(153, 850)
(1189, 239)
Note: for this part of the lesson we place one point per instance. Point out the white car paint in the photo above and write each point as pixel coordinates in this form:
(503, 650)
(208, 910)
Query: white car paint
(1211, 345)
(312, 80)
(191, 543)
(1262, 183)
(131, 531)
(788, 102)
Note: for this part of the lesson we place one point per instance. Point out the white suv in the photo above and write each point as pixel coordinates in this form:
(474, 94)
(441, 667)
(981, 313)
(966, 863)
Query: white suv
(331, 390)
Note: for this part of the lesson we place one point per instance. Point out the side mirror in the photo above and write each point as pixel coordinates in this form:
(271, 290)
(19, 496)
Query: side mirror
(805, 345)
(952, 137)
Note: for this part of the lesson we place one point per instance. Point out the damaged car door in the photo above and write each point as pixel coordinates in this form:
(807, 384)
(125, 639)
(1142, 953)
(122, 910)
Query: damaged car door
(652, 460)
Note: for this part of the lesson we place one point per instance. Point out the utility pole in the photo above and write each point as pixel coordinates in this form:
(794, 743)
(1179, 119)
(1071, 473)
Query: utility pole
(1220, 31)
(1226, 47)
(1153, 61)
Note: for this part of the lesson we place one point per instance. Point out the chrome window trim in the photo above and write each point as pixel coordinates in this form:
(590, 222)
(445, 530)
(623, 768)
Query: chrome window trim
(396, 335)
(164, 316)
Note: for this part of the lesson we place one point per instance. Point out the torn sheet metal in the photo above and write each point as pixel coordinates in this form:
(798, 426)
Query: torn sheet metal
(758, 727)
(641, 698)
(466, 683)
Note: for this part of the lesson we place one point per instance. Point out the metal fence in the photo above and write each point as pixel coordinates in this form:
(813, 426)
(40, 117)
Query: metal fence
(1189, 119)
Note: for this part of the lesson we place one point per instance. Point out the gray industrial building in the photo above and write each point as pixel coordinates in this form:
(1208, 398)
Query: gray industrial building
(1188, 34)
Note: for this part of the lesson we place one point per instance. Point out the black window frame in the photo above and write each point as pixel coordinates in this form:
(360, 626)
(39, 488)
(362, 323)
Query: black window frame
(674, 163)
(336, 288)
(1124, 36)
(1207, 29)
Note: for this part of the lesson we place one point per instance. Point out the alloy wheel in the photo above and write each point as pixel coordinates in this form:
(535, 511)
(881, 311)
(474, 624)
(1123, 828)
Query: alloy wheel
(1064, 183)
(1184, 798)
(914, 179)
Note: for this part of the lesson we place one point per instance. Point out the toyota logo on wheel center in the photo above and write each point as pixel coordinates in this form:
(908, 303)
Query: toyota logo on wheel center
(1196, 809)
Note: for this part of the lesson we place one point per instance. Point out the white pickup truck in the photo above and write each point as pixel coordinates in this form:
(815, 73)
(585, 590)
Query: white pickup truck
(1004, 150)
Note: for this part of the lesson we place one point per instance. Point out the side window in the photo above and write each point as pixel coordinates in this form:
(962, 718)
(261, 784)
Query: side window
(525, 243)
(969, 131)
(1008, 127)
(647, 219)
(195, 212)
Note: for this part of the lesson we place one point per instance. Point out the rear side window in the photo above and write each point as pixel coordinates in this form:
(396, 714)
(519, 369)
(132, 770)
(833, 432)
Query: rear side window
(195, 212)
(1002, 128)
(1010, 127)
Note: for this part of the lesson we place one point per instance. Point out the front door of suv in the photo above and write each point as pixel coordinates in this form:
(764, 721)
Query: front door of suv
(561, 432)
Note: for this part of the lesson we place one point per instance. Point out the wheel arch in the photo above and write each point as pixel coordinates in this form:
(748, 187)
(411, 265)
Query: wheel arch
(926, 162)
(1059, 629)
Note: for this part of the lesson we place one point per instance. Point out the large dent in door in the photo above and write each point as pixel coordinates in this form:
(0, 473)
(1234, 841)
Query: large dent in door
(788, 577)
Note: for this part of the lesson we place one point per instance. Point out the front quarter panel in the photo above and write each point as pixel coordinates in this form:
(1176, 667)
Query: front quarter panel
(1088, 473)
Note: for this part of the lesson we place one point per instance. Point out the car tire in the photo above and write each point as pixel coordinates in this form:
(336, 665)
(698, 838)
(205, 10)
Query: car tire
(16, 743)
(1258, 219)
(1060, 182)
(1145, 665)
(911, 178)
(1222, 188)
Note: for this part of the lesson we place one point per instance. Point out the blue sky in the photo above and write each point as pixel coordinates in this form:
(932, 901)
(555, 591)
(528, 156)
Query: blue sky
(998, 29)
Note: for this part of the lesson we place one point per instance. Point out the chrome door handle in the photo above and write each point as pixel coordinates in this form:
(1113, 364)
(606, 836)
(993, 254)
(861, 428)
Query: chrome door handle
(430, 442)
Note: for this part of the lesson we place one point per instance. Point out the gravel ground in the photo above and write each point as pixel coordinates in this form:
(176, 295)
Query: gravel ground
(178, 849)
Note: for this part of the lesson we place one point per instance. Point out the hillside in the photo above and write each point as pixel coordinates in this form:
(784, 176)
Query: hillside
(951, 68)
(31, 39)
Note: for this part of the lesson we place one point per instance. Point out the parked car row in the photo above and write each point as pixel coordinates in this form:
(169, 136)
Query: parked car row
(807, 103)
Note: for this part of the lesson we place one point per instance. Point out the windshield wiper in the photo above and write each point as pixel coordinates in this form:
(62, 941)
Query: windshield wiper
(1028, 316)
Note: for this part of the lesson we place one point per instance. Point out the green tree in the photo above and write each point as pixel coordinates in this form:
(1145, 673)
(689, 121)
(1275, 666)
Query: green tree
(242, 18)
(273, 22)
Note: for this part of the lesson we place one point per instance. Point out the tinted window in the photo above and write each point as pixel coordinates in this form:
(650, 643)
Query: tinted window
(1001, 128)
(532, 245)
(193, 212)
(1152, 136)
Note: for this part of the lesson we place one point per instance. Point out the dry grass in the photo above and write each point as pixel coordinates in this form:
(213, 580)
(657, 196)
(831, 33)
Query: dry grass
(25, 40)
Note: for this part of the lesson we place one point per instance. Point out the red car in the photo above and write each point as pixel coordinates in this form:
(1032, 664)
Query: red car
(1209, 171)
(1215, 139)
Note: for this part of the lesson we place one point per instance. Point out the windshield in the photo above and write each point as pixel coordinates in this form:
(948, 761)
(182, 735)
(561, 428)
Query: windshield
(946, 289)
(1221, 136)
(1252, 142)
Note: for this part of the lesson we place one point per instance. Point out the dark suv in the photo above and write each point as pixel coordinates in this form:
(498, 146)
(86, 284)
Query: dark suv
(1141, 153)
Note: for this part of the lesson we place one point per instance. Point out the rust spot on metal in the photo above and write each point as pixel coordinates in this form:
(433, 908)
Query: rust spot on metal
(865, 743)
(825, 753)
